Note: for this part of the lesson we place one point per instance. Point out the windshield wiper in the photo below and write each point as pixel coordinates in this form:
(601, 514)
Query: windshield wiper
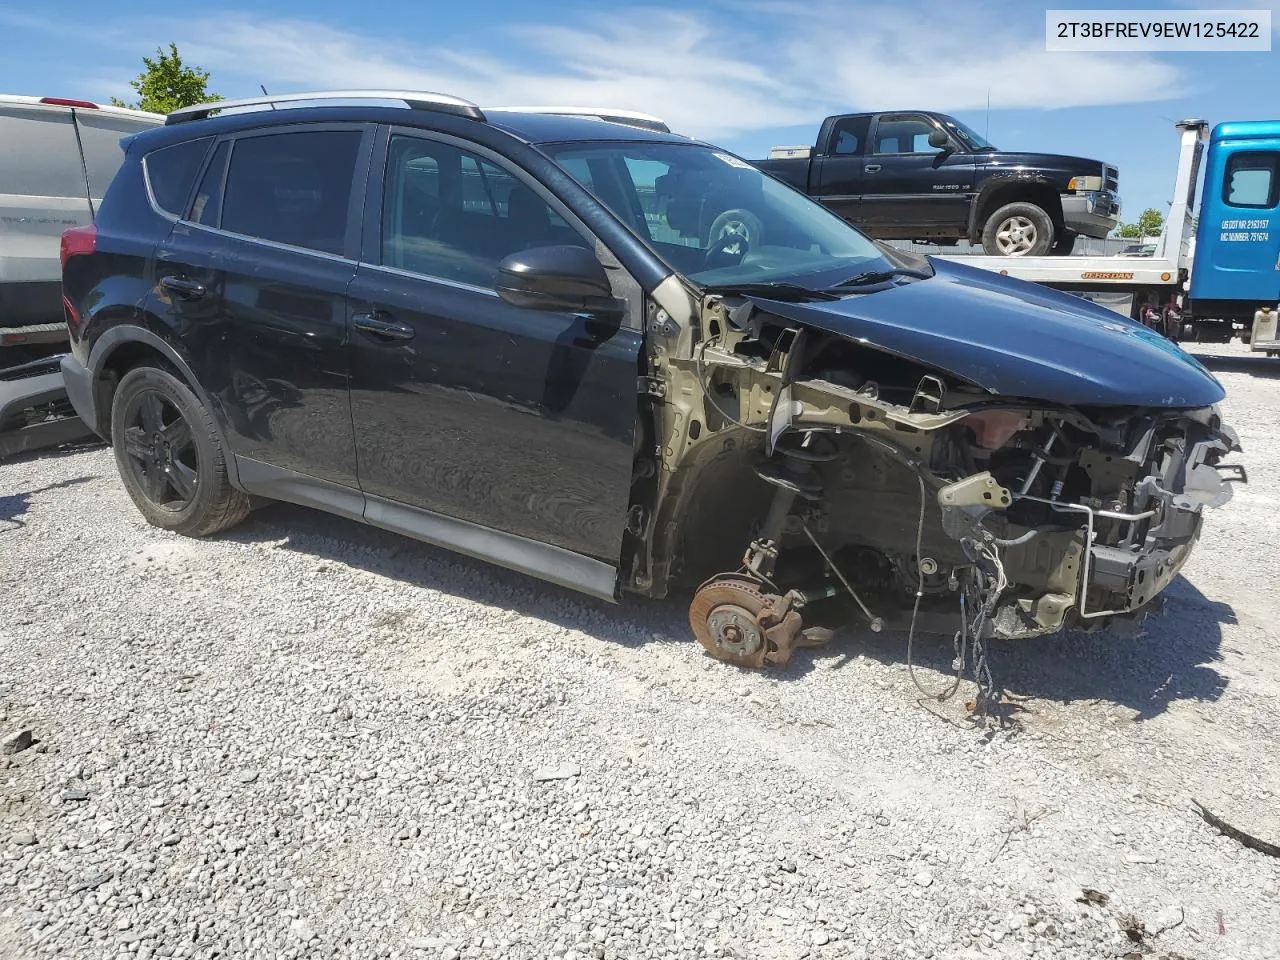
(777, 290)
(880, 276)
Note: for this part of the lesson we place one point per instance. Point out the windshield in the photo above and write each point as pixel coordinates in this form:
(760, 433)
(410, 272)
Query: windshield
(716, 219)
(972, 140)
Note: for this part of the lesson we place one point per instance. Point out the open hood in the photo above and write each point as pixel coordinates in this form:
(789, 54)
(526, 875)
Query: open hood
(1017, 339)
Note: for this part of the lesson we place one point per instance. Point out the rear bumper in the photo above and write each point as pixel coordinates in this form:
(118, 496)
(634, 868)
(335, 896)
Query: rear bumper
(79, 388)
(33, 333)
(33, 409)
(1092, 214)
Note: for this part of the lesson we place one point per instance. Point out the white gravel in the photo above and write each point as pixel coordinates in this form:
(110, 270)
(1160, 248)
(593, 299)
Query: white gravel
(309, 738)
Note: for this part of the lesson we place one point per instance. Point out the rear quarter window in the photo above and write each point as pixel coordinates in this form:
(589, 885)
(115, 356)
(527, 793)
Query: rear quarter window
(292, 188)
(39, 156)
(172, 171)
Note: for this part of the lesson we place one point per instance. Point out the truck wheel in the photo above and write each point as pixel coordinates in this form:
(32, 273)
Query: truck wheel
(171, 457)
(737, 224)
(1018, 230)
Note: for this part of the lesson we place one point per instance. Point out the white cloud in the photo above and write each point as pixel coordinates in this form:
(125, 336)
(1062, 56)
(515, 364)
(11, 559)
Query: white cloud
(721, 71)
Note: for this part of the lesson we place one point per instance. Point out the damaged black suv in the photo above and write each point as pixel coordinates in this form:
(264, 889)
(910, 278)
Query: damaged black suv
(500, 331)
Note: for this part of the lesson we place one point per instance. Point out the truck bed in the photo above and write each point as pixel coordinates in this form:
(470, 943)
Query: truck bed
(793, 171)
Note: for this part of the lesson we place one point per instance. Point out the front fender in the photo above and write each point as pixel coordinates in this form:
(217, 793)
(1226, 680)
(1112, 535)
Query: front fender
(997, 182)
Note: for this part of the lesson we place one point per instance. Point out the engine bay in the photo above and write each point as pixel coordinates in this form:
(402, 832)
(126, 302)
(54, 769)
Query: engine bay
(805, 479)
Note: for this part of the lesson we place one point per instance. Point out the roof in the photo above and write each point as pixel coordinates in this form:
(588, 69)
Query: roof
(538, 124)
(1244, 129)
(552, 128)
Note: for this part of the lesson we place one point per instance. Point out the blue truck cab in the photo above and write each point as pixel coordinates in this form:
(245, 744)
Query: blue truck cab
(1236, 267)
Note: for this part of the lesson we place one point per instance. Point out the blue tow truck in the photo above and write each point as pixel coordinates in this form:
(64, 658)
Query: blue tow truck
(1214, 266)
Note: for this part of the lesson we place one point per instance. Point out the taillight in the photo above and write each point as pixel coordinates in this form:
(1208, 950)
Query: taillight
(64, 102)
(77, 242)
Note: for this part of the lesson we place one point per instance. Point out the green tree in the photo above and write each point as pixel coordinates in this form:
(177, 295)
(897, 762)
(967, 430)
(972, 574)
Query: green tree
(1148, 225)
(167, 84)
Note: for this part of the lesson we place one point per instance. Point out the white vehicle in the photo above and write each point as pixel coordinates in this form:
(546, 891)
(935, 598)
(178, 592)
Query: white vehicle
(56, 159)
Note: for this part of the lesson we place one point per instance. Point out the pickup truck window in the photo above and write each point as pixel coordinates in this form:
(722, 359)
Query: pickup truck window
(715, 218)
(849, 136)
(904, 135)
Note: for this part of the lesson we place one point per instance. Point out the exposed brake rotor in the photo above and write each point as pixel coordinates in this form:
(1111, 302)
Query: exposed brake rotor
(738, 624)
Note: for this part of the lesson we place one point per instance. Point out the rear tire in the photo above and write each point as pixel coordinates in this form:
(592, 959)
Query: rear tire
(170, 455)
(1018, 230)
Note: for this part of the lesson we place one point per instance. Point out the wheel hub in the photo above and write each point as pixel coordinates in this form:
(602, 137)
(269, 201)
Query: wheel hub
(738, 624)
(734, 630)
(1016, 236)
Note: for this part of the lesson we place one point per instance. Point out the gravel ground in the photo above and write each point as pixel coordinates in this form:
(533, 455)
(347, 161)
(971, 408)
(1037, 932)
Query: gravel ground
(308, 738)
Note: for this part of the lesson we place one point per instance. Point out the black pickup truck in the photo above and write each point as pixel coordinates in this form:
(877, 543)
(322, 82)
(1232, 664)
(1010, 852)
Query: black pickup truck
(925, 176)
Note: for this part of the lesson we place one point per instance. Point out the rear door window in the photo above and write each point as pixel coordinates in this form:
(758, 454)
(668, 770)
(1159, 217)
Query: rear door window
(39, 156)
(172, 170)
(292, 188)
(849, 137)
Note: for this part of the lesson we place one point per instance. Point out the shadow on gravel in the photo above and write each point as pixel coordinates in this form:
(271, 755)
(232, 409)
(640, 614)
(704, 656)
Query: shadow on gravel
(14, 505)
(1255, 365)
(1172, 661)
(633, 623)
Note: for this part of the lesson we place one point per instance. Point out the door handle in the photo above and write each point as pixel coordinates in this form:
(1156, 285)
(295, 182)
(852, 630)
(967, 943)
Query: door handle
(185, 289)
(872, 168)
(379, 327)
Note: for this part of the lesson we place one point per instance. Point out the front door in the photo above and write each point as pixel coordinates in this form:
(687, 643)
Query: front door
(266, 253)
(508, 419)
(1238, 255)
(912, 189)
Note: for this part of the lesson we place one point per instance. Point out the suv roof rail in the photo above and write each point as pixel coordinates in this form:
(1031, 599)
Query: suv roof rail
(630, 118)
(414, 99)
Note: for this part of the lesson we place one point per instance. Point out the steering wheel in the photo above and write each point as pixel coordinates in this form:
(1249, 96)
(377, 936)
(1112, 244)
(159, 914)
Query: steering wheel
(727, 250)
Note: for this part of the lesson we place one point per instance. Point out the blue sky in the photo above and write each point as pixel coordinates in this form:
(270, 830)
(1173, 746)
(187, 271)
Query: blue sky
(747, 74)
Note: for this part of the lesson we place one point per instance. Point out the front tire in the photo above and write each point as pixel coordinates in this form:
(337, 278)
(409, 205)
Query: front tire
(1018, 230)
(170, 455)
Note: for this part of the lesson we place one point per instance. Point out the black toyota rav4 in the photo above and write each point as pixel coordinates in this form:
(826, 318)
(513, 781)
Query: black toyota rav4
(504, 332)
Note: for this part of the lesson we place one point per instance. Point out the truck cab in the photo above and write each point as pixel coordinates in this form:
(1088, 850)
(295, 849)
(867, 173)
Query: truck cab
(920, 175)
(1236, 266)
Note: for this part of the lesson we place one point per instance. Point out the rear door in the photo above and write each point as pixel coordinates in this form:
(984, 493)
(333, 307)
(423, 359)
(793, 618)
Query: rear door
(470, 409)
(911, 188)
(42, 193)
(257, 274)
(1238, 257)
(838, 175)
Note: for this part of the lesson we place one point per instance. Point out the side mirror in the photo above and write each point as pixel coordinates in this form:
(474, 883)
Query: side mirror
(939, 140)
(565, 278)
